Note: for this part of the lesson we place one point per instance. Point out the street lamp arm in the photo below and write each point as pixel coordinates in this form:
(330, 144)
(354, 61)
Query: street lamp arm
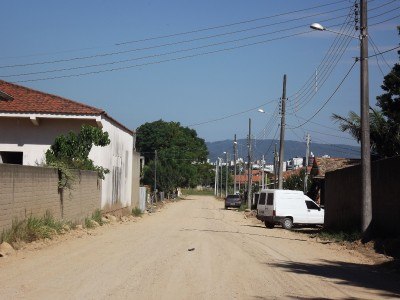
(319, 27)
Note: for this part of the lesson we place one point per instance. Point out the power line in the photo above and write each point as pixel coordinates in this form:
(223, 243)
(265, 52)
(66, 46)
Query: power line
(149, 56)
(330, 97)
(171, 44)
(166, 60)
(230, 116)
(228, 25)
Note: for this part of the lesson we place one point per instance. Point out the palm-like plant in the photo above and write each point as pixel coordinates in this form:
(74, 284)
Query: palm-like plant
(385, 136)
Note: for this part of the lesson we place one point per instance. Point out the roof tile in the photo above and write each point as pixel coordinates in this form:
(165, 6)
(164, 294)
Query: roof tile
(26, 100)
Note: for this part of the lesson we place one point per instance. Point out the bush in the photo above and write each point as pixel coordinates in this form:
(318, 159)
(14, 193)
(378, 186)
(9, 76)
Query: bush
(136, 212)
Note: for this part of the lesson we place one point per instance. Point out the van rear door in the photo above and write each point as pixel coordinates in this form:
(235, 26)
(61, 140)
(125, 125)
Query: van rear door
(261, 204)
(270, 205)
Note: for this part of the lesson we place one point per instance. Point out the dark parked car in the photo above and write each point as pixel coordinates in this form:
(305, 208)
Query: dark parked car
(233, 201)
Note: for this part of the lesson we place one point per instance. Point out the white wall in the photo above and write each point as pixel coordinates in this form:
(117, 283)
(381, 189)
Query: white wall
(21, 135)
(117, 157)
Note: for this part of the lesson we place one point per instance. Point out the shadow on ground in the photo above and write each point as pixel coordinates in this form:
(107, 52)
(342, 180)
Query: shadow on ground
(374, 277)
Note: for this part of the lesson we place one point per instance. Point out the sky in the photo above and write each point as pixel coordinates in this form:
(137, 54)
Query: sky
(194, 62)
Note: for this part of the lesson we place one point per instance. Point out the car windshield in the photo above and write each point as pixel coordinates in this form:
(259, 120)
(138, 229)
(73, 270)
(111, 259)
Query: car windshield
(233, 196)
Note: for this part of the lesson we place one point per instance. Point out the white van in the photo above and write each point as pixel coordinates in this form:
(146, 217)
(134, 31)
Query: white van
(287, 207)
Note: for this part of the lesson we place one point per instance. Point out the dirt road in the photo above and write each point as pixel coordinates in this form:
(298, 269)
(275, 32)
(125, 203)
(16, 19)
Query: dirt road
(233, 258)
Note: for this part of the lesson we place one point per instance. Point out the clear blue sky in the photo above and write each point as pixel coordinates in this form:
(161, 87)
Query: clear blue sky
(206, 87)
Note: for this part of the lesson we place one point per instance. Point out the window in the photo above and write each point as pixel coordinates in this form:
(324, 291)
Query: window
(262, 199)
(7, 157)
(270, 199)
(311, 205)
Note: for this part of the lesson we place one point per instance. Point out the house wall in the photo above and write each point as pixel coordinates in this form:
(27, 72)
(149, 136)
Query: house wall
(27, 190)
(117, 158)
(343, 197)
(135, 179)
(21, 135)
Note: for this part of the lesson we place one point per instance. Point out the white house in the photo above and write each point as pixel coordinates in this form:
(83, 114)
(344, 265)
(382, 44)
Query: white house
(30, 120)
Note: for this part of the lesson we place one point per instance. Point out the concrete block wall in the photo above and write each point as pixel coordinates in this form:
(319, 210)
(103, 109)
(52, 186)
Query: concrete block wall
(28, 190)
(343, 197)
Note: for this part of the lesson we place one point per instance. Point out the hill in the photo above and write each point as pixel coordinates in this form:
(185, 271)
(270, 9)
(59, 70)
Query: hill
(292, 149)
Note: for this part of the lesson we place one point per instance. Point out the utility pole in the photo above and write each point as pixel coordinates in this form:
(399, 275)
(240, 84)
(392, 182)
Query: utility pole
(234, 163)
(282, 138)
(275, 166)
(262, 172)
(220, 190)
(249, 168)
(226, 174)
(216, 179)
(306, 166)
(155, 175)
(366, 198)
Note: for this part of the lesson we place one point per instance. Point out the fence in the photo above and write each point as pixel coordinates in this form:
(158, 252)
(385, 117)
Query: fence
(343, 197)
(27, 190)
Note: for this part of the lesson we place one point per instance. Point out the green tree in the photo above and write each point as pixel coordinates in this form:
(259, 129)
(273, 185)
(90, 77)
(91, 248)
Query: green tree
(296, 182)
(71, 151)
(181, 155)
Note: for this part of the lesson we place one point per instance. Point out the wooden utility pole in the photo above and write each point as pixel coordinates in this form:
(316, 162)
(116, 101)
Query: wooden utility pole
(275, 166)
(234, 163)
(306, 164)
(216, 179)
(262, 172)
(249, 168)
(282, 137)
(366, 198)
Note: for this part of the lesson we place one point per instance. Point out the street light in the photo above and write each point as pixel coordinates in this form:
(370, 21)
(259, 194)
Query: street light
(319, 27)
(366, 197)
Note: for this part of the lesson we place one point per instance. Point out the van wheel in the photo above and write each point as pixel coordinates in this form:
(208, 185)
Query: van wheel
(269, 225)
(287, 223)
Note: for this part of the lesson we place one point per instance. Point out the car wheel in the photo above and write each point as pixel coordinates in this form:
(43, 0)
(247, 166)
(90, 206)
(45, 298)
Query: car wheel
(226, 207)
(269, 225)
(287, 223)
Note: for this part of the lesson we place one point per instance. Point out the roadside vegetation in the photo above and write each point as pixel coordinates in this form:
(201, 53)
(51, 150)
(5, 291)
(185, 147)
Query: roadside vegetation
(33, 228)
(46, 227)
(339, 236)
(137, 212)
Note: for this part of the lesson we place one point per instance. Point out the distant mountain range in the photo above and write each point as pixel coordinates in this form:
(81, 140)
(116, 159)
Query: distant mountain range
(292, 149)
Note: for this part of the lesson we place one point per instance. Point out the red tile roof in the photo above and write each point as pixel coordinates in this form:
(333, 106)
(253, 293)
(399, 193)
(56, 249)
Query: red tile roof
(26, 100)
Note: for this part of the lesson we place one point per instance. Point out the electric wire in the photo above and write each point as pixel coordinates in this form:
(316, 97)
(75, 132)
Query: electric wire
(329, 98)
(171, 43)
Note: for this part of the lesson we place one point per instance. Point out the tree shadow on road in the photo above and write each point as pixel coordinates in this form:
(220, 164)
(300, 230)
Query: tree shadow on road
(365, 276)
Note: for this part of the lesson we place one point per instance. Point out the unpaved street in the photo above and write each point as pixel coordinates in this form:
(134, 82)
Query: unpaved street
(233, 257)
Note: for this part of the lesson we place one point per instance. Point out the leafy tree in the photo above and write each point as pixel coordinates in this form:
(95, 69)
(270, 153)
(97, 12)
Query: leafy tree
(71, 151)
(181, 155)
(296, 182)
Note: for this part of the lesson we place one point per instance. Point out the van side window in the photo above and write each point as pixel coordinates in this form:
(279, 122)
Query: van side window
(262, 199)
(270, 199)
(311, 205)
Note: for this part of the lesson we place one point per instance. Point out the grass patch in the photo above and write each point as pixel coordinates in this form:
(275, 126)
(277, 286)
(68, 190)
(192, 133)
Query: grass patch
(195, 192)
(339, 236)
(242, 207)
(137, 212)
(96, 216)
(32, 229)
